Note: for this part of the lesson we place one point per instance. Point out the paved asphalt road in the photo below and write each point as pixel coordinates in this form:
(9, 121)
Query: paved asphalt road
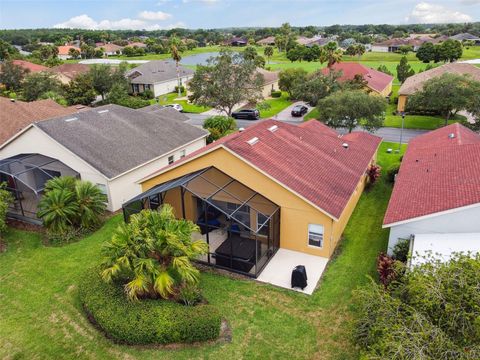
(387, 133)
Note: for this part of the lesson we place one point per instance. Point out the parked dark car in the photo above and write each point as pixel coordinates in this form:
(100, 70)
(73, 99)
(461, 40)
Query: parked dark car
(246, 114)
(299, 110)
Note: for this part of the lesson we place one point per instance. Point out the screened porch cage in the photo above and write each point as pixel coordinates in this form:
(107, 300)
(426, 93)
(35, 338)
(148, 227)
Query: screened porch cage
(240, 226)
(25, 176)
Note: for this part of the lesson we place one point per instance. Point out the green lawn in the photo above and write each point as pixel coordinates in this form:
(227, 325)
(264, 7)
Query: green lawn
(187, 107)
(41, 317)
(276, 105)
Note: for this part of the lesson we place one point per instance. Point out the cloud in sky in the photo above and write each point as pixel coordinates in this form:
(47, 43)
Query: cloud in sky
(144, 21)
(427, 13)
(154, 15)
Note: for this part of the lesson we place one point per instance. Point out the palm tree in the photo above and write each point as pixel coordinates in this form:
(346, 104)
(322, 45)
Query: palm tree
(268, 52)
(58, 210)
(153, 252)
(176, 49)
(332, 54)
(91, 204)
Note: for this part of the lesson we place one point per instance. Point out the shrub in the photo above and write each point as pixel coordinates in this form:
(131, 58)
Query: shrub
(5, 200)
(146, 322)
(132, 102)
(219, 126)
(147, 94)
(401, 249)
(432, 313)
(391, 172)
(386, 269)
(152, 254)
(70, 207)
(182, 89)
(189, 295)
(276, 94)
(373, 173)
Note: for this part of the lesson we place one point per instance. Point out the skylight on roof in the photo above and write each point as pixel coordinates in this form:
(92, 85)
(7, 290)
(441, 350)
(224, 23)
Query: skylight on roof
(273, 128)
(102, 111)
(71, 119)
(253, 141)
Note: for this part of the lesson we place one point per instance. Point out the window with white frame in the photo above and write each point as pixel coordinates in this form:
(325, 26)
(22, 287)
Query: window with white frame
(171, 159)
(183, 153)
(315, 235)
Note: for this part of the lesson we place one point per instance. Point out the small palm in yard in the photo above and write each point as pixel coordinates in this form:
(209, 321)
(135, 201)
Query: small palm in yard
(153, 254)
(70, 205)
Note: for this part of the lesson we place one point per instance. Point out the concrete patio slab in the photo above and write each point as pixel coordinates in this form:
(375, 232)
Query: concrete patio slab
(278, 272)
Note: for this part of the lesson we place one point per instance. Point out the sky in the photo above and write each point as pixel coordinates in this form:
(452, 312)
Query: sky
(194, 14)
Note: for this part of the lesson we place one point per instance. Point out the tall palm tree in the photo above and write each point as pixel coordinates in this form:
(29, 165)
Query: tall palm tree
(268, 52)
(332, 54)
(176, 49)
(153, 252)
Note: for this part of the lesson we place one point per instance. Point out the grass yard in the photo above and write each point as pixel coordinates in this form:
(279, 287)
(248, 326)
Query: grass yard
(187, 107)
(41, 317)
(276, 105)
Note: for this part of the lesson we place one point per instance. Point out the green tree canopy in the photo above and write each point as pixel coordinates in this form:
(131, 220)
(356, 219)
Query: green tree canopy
(80, 90)
(37, 84)
(219, 126)
(152, 254)
(349, 109)
(12, 75)
(447, 95)
(290, 78)
(426, 52)
(316, 87)
(404, 70)
(225, 81)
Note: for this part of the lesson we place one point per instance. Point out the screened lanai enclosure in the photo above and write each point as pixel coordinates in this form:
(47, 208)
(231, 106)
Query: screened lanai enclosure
(240, 226)
(25, 176)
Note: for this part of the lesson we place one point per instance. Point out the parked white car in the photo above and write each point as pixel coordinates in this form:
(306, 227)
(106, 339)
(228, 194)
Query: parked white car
(177, 107)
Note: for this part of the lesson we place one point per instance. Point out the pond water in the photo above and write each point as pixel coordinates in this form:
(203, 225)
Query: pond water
(198, 59)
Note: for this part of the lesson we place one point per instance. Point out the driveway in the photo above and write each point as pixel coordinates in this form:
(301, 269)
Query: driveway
(286, 114)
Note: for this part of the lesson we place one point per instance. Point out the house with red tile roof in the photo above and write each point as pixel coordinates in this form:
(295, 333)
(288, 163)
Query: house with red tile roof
(67, 72)
(63, 51)
(377, 81)
(281, 185)
(437, 189)
(29, 66)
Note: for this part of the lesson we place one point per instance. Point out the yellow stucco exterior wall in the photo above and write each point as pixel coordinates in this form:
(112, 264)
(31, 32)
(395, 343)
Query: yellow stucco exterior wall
(402, 102)
(295, 213)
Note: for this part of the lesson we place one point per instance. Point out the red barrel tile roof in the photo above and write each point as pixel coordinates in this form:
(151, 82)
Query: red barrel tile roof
(376, 80)
(440, 171)
(309, 159)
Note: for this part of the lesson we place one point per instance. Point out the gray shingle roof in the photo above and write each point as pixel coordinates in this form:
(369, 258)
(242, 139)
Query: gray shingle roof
(162, 111)
(115, 139)
(156, 71)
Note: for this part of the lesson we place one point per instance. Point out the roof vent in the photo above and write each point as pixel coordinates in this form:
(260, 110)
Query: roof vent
(345, 145)
(253, 141)
(102, 111)
(12, 100)
(71, 119)
(273, 128)
(451, 136)
(241, 129)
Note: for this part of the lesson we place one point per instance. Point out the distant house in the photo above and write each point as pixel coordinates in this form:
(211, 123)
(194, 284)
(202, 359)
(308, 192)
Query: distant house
(110, 49)
(111, 146)
(29, 66)
(466, 37)
(316, 40)
(67, 72)
(437, 190)
(415, 83)
(377, 81)
(394, 45)
(63, 51)
(160, 76)
(270, 81)
(137, 44)
(270, 40)
(236, 41)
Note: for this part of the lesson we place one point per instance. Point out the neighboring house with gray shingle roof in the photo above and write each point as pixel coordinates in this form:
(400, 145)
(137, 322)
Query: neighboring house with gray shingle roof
(160, 76)
(466, 37)
(112, 146)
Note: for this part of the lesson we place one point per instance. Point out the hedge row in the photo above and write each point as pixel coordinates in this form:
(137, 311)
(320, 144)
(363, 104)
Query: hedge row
(147, 321)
